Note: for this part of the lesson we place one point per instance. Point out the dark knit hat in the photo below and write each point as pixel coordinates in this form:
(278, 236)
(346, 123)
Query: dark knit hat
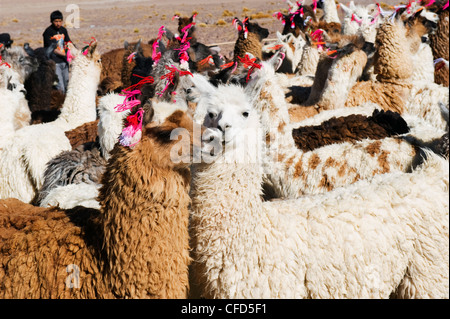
(56, 15)
(5, 38)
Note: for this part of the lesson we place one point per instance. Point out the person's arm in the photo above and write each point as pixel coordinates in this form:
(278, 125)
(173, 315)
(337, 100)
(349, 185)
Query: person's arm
(66, 36)
(47, 40)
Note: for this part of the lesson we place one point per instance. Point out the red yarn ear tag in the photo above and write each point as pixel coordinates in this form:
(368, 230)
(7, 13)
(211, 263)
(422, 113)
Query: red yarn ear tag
(4, 63)
(249, 63)
(280, 17)
(170, 77)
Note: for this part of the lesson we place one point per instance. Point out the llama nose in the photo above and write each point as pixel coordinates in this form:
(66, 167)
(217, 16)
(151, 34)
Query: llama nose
(224, 127)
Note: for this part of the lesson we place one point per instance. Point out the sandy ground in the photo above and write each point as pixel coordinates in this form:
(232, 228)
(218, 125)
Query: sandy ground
(113, 22)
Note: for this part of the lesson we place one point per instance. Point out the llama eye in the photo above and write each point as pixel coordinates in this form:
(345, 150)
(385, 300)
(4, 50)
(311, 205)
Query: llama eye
(211, 115)
(245, 114)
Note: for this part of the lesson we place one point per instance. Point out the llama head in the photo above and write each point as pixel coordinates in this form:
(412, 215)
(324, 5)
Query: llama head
(87, 56)
(297, 18)
(292, 48)
(266, 72)
(235, 123)
(20, 61)
(362, 20)
(176, 138)
(426, 19)
(416, 10)
(187, 24)
(245, 27)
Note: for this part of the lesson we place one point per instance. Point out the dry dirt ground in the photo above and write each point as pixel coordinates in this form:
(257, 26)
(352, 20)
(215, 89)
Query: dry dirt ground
(113, 22)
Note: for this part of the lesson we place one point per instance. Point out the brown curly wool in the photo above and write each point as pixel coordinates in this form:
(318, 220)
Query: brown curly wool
(350, 128)
(439, 46)
(136, 246)
(83, 134)
(392, 65)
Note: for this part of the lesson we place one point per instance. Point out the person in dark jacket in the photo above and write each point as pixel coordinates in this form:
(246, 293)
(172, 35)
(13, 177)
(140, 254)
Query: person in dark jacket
(57, 34)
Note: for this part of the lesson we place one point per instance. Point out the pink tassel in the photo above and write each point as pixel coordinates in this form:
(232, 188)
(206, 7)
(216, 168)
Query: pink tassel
(128, 104)
(445, 6)
(315, 6)
(184, 57)
(69, 56)
(132, 133)
(156, 56)
(161, 32)
(131, 57)
(431, 2)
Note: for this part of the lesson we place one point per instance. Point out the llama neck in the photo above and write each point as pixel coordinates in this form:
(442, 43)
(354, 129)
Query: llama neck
(145, 223)
(392, 60)
(251, 44)
(320, 79)
(309, 61)
(233, 199)
(330, 12)
(342, 76)
(79, 105)
(268, 99)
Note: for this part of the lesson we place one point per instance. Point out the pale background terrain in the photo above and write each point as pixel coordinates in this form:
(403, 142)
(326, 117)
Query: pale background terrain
(113, 22)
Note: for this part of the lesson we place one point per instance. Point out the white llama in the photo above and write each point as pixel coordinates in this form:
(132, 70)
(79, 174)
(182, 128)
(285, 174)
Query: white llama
(379, 238)
(25, 154)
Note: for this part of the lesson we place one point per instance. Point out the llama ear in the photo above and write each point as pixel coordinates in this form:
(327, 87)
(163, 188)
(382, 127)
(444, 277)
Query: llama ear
(214, 49)
(125, 44)
(92, 48)
(289, 37)
(202, 84)
(430, 16)
(308, 38)
(71, 47)
(238, 24)
(279, 36)
(29, 50)
(352, 6)
(168, 34)
(137, 47)
(346, 10)
(277, 60)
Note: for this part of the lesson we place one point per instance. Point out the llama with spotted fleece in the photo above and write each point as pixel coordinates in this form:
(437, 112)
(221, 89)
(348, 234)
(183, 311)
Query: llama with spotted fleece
(290, 172)
(382, 237)
(25, 154)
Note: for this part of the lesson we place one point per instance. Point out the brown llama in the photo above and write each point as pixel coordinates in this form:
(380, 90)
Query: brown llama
(135, 246)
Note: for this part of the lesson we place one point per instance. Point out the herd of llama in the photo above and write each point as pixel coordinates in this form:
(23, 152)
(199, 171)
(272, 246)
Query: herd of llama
(314, 165)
